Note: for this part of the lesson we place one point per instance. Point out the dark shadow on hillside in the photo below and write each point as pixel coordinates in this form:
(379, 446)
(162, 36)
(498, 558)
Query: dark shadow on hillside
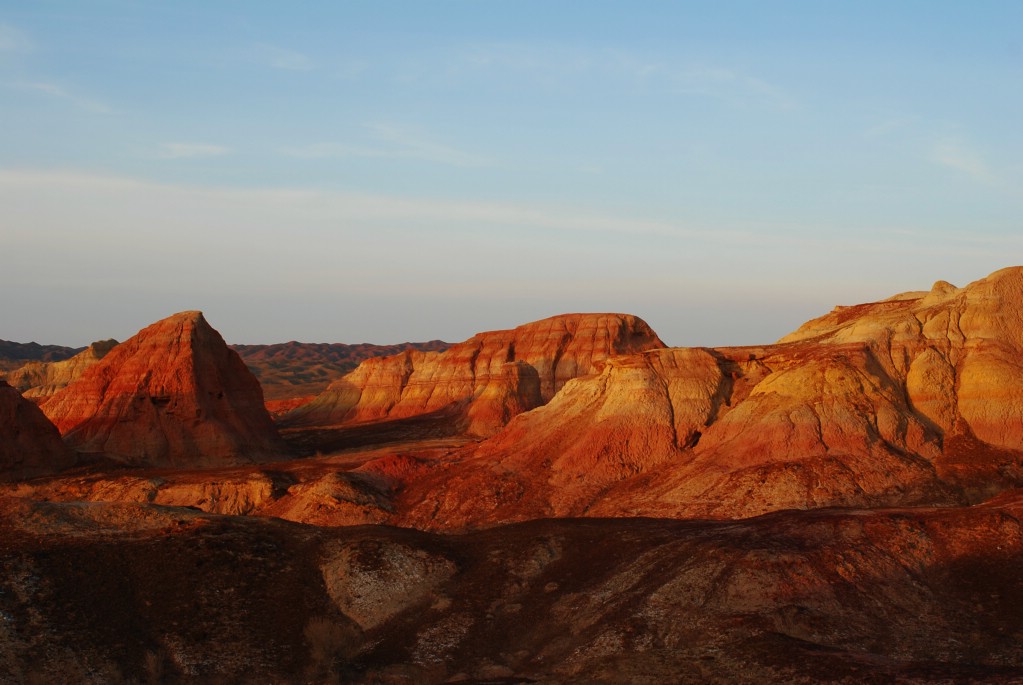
(305, 442)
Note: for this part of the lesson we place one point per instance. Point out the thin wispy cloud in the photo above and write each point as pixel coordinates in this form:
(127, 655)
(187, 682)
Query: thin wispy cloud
(409, 143)
(322, 208)
(62, 93)
(190, 150)
(889, 126)
(545, 60)
(282, 58)
(725, 83)
(556, 65)
(331, 208)
(350, 69)
(385, 141)
(463, 249)
(13, 40)
(963, 158)
(344, 219)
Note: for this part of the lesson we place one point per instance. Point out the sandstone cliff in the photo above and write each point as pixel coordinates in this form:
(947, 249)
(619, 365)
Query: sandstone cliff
(483, 381)
(172, 395)
(29, 444)
(39, 380)
(916, 399)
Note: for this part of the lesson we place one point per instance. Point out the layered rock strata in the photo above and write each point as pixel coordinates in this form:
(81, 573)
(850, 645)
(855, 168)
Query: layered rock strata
(915, 399)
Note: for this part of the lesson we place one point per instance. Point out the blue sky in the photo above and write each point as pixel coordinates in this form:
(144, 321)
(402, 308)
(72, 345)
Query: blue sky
(388, 171)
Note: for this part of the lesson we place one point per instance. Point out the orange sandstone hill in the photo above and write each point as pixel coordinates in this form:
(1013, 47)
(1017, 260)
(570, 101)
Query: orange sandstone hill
(38, 380)
(29, 444)
(917, 399)
(483, 382)
(172, 395)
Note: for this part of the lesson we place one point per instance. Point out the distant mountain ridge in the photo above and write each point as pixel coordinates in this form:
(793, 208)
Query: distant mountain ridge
(14, 355)
(38, 380)
(296, 369)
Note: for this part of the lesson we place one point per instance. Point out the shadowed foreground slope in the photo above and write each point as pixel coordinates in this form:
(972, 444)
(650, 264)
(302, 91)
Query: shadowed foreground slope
(29, 444)
(105, 592)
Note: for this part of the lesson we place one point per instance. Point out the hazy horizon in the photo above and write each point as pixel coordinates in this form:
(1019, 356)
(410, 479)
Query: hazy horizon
(403, 171)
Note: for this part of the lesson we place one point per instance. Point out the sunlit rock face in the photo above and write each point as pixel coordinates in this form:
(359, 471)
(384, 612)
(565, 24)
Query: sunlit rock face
(915, 399)
(39, 380)
(485, 380)
(29, 444)
(955, 350)
(172, 395)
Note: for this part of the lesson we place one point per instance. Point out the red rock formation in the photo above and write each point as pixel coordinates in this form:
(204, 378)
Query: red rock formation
(957, 350)
(916, 399)
(39, 380)
(513, 389)
(282, 407)
(172, 395)
(414, 383)
(29, 444)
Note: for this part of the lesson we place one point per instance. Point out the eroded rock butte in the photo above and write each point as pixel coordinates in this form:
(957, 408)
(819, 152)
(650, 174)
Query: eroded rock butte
(483, 381)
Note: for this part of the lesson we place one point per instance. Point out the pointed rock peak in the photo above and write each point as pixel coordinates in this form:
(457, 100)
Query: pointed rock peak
(191, 315)
(174, 394)
(183, 320)
(622, 324)
(940, 291)
(102, 347)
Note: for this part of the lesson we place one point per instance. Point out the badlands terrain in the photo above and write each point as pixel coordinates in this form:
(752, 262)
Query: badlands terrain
(566, 501)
